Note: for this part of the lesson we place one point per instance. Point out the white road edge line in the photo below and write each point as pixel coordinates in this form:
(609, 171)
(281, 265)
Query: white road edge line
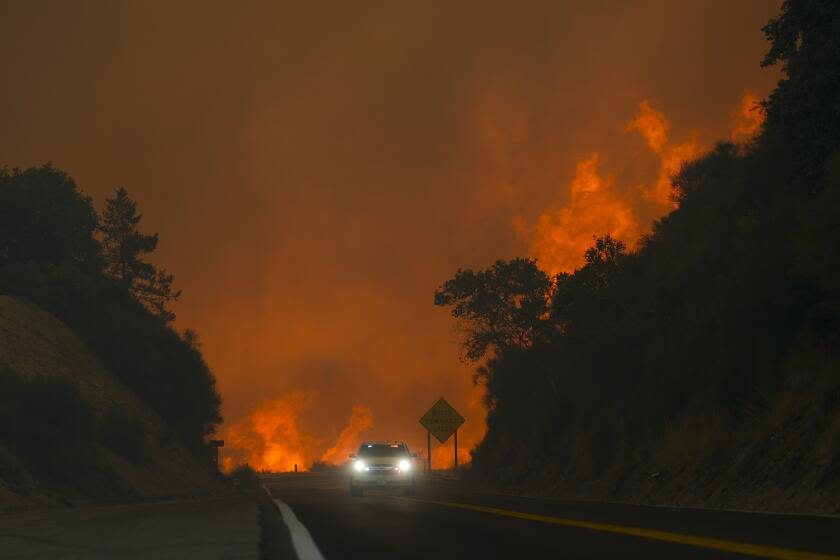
(302, 541)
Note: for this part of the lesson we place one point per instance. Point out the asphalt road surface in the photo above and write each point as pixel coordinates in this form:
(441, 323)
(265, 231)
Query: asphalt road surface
(210, 528)
(449, 519)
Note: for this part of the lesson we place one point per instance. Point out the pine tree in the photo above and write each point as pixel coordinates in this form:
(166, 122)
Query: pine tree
(123, 250)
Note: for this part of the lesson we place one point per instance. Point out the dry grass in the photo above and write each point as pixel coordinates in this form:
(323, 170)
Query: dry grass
(34, 343)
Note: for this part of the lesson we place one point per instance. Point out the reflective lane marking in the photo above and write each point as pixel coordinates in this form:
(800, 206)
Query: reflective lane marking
(305, 547)
(692, 540)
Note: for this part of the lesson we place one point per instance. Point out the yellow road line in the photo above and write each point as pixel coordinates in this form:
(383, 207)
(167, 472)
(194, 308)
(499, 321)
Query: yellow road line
(692, 540)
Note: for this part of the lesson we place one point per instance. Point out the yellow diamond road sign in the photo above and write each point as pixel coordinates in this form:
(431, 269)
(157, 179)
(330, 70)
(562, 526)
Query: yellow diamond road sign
(442, 420)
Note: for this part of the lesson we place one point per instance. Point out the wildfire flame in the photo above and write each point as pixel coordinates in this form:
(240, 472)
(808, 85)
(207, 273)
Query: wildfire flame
(597, 206)
(443, 456)
(654, 128)
(652, 125)
(561, 236)
(270, 437)
(360, 420)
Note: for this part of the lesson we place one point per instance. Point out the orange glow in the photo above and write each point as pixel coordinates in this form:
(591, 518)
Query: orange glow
(673, 158)
(226, 463)
(348, 441)
(314, 179)
(443, 456)
(747, 118)
(595, 207)
(598, 205)
(270, 438)
(654, 127)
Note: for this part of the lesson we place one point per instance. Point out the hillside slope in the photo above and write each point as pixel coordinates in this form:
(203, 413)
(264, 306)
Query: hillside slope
(785, 458)
(36, 346)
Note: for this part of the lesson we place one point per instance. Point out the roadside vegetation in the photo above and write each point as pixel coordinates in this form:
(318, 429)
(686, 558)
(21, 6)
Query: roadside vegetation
(70, 431)
(245, 478)
(703, 367)
(91, 271)
(50, 432)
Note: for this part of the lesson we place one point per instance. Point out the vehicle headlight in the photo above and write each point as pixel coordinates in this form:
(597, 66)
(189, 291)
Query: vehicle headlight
(359, 465)
(405, 465)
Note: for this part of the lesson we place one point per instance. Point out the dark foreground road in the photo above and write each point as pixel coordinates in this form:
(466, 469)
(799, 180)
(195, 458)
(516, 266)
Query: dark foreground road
(448, 519)
(221, 528)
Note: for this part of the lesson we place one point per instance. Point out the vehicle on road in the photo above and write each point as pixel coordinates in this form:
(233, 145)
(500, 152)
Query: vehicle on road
(383, 465)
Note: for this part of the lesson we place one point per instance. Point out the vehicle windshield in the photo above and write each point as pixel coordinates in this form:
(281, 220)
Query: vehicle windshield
(380, 450)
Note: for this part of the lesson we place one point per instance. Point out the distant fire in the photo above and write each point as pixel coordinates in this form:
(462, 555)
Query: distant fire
(443, 456)
(561, 236)
(271, 439)
(597, 205)
(348, 441)
(654, 128)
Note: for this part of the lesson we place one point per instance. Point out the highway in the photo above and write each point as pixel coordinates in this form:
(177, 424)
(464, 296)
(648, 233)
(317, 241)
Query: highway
(452, 519)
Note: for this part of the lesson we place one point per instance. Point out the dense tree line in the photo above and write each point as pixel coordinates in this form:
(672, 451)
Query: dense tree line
(90, 271)
(730, 302)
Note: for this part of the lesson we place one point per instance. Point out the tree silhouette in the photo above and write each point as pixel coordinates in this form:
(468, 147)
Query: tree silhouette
(499, 308)
(805, 39)
(44, 219)
(123, 250)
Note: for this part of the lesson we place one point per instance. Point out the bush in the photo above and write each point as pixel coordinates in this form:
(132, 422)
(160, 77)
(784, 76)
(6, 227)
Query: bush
(245, 477)
(46, 422)
(126, 435)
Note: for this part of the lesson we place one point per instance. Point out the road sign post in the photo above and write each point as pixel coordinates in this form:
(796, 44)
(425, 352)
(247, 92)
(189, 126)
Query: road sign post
(441, 421)
(428, 451)
(456, 449)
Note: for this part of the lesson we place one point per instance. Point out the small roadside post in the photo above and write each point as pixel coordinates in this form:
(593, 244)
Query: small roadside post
(215, 444)
(441, 421)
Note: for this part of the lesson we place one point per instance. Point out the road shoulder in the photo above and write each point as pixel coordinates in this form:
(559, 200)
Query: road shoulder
(218, 527)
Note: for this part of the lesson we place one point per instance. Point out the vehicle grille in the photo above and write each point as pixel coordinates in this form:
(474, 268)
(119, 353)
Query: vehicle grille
(383, 469)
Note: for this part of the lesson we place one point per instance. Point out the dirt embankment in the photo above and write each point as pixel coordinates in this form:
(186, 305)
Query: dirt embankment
(37, 347)
(784, 457)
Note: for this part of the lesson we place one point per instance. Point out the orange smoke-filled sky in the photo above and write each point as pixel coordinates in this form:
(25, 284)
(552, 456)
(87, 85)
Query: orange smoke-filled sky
(316, 170)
